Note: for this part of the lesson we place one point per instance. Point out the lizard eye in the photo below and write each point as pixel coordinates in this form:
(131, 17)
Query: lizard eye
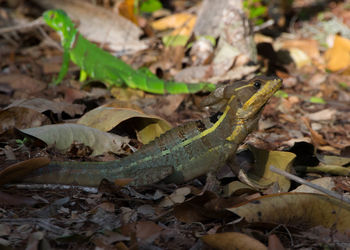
(257, 84)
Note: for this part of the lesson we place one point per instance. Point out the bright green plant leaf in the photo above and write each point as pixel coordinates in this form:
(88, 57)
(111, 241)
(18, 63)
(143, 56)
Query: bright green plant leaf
(178, 40)
(281, 94)
(318, 100)
(343, 85)
(150, 6)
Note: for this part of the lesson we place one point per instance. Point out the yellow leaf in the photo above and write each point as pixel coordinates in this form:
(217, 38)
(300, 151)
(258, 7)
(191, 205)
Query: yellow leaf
(338, 57)
(127, 9)
(183, 23)
(106, 118)
(293, 209)
(261, 173)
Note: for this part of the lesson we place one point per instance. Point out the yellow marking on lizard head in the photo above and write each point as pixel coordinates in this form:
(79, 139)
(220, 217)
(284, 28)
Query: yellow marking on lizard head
(264, 89)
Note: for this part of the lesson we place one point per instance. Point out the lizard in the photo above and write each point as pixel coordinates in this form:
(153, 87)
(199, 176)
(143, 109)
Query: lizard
(184, 152)
(103, 66)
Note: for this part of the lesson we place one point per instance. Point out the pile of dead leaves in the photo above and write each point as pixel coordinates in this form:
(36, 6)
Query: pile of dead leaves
(304, 129)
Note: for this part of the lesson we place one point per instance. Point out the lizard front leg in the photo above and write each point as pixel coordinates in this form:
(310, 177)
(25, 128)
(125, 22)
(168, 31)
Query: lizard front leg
(64, 68)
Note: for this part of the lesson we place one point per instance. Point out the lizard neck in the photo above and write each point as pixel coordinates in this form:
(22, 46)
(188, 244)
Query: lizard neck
(68, 34)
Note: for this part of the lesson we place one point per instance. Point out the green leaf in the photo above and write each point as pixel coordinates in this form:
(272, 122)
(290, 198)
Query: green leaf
(318, 100)
(150, 6)
(281, 94)
(178, 40)
(343, 85)
(257, 12)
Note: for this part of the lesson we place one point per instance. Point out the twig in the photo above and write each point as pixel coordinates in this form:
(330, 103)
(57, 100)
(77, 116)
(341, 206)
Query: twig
(309, 184)
(53, 187)
(37, 22)
(264, 25)
(44, 223)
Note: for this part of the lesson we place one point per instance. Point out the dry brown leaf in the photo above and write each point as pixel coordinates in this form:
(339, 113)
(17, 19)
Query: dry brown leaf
(232, 240)
(126, 9)
(100, 25)
(308, 46)
(275, 243)
(176, 197)
(122, 182)
(322, 115)
(20, 117)
(21, 169)
(317, 139)
(15, 200)
(325, 182)
(108, 206)
(62, 136)
(295, 209)
(42, 105)
(145, 230)
(23, 83)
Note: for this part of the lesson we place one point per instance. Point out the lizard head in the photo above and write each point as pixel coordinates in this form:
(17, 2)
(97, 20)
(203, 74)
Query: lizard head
(251, 95)
(60, 22)
(254, 95)
(56, 19)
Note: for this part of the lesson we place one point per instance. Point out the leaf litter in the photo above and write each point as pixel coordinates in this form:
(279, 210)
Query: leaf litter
(314, 109)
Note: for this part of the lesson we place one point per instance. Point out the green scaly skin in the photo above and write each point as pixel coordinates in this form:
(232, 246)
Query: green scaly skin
(102, 66)
(182, 153)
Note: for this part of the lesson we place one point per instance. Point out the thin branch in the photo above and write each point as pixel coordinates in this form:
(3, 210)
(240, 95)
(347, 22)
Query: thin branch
(27, 26)
(309, 184)
(92, 190)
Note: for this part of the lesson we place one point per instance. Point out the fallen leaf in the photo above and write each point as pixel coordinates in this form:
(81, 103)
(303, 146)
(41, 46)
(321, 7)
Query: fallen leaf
(300, 58)
(309, 46)
(176, 197)
(317, 138)
(61, 136)
(106, 118)
(152, 131)
(237, 188)
(204, 207)
(147, 230)
(14, 200)
(325, 182)
(144, 230)
(108, 206)
(20, 169)
(329, 169)
(126, 9)
(338, 57)
(275, 243)
(23, 83)
(261, 173)
(333, 159)
(101, 25)
(293, 209)
(323, 115)
(183, 24)
(232, 240)
(20, 117)
(41, 105)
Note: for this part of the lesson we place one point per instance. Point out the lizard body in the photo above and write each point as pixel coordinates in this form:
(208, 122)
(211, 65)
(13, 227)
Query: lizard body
(182, 153)
(103, 66)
